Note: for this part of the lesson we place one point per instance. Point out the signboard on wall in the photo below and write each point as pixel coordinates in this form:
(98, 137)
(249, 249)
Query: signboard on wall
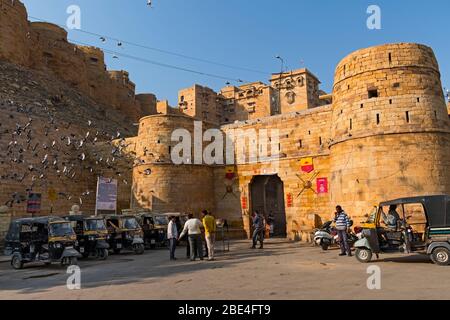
(322, 185)
(106, 195)
(34, 203)
(52, 195)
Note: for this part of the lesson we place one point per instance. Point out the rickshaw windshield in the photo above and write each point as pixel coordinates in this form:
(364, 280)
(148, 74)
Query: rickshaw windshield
(61, 229)
(160, 220)
(130, 223)
(95, 225)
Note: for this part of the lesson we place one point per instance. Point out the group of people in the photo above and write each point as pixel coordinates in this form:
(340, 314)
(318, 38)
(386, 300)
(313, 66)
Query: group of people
(193, 231)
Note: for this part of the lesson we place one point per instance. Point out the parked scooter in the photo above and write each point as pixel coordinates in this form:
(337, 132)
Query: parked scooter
(327, 236)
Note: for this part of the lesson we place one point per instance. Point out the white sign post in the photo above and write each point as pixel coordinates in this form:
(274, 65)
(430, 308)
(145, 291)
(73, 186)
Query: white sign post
(106, 195)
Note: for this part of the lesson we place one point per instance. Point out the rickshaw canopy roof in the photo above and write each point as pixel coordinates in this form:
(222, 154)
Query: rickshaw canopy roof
(437, 208)
(40, 220)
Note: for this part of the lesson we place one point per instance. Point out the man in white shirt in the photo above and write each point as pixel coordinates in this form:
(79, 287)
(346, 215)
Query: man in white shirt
(172, 236)
(193, 228)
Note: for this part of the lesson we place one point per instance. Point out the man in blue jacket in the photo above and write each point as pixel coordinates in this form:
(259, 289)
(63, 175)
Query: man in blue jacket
(342, 224)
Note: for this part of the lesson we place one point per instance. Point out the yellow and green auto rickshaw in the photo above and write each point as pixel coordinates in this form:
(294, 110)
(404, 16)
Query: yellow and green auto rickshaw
(408, 225)
(43, 239)
(92, 236)
(125, 233)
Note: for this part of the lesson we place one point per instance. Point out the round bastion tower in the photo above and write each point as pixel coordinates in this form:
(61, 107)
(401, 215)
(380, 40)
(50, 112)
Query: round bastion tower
(390, 127)
(160, 185)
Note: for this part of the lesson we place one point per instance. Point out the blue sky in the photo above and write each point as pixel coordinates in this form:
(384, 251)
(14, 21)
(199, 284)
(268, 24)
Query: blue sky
(246, 33)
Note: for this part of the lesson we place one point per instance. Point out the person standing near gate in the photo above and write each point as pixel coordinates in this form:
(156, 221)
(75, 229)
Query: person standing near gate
(193, 229)
(258, 230)
(172, 236)
(209, 222)
(342, 224)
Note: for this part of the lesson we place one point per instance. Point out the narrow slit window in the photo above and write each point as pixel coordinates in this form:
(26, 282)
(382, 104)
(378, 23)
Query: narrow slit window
(320, 140)
(378, 118)
(418, 99)
(390, 57)
(351, 124)
(300, 143)
(390, 101)
(407, 116)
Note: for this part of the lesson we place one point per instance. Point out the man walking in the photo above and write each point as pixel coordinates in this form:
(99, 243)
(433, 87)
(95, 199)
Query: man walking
(342, 224)
(209, 222)
(192, 228)
(258, 230)
(172, 236)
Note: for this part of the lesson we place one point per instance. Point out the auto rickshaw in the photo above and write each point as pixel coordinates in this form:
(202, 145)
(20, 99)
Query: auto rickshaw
(125, 233)
(92, 236)
(154, 227)
(423, 226)
(43, 239)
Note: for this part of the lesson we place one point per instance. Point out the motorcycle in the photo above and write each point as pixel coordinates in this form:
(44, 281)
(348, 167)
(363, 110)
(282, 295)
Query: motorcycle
(327, 236)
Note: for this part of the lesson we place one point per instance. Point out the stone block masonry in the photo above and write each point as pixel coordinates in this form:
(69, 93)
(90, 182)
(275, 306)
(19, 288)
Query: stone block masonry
(385, 135)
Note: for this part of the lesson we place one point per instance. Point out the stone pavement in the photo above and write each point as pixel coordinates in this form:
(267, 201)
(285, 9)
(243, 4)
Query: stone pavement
(283, 270)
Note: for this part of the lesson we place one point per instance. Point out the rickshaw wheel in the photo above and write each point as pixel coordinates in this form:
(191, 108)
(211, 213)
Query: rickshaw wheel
(102, 254)
(363, 255)
(16, 262)
(139, 248)
(441, 256)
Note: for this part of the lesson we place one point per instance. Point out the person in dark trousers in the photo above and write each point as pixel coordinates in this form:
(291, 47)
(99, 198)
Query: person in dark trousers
(193, 229)
(172, 236)
(342, 224)
(258, 230)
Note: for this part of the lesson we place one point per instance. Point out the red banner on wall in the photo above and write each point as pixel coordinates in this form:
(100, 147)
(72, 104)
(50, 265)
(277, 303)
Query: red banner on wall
(244, 203)
(322, 185)
(289, 200)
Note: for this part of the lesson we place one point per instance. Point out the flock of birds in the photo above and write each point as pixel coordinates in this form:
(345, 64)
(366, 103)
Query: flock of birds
(38, 153)
(34, 162)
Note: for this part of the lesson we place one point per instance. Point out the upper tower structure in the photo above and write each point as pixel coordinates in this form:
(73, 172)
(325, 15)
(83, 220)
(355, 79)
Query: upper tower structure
(390, 129)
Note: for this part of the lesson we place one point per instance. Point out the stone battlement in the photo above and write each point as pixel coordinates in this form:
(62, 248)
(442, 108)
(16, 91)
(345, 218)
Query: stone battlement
(44, 46)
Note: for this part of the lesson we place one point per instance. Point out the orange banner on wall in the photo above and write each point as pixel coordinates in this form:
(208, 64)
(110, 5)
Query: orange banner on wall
(307, 165)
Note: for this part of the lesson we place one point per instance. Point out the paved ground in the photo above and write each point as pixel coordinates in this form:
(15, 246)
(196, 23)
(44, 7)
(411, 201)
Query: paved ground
(284, 270)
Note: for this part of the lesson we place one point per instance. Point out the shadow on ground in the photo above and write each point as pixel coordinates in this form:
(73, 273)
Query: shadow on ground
(127, 268)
